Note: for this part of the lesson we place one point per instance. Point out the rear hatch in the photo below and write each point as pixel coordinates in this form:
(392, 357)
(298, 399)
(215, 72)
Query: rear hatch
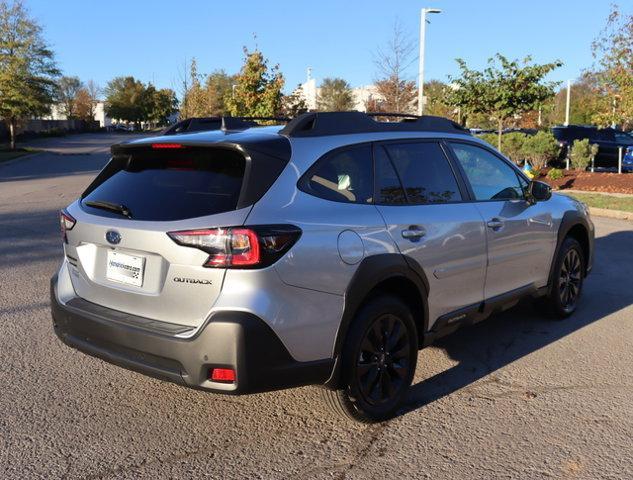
(120, 253)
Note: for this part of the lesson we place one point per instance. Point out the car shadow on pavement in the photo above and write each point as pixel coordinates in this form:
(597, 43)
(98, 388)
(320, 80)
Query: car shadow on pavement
(49, 165)
(29, 237)
(484, 348)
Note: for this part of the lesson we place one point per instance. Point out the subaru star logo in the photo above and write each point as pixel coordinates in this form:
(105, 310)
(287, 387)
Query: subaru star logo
(113, 237)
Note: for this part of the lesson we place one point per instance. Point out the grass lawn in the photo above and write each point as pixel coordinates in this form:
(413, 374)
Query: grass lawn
(8, 154)
(599, 200)
(11, 154)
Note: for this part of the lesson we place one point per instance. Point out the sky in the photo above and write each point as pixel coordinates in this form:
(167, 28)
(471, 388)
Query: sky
(152, 40)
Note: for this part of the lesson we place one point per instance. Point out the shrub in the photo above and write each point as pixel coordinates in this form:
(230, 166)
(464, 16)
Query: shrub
(541, 148)
(555, 174)
(512, 145)
(581, 154)
(490, 138)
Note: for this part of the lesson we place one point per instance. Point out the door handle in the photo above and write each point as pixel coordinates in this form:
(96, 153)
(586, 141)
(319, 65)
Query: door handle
(495, 224)
(413, 233)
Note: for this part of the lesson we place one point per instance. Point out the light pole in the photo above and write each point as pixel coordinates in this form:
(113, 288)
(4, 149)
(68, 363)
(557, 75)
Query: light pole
(568, 103)
(423, 21)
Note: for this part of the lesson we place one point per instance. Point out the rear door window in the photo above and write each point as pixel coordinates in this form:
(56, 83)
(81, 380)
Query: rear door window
(425, 172)
(171, 184)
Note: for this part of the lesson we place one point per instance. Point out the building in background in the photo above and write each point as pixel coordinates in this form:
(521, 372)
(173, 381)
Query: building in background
(100, 115)
(364, 96)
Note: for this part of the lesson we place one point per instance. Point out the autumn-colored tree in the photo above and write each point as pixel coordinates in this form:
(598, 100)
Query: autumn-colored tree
(293, 104)
(502, 90)
(217, 90)
(27, 67)
(83, 105)
(194, 102)
(397, 92)
(66, 95)
(335, 95)
(613, 52)
(585, 101)
(257, 90)
(86, 100)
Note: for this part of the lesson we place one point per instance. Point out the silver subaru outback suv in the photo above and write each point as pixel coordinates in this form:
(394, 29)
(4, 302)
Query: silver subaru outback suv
(327, 252)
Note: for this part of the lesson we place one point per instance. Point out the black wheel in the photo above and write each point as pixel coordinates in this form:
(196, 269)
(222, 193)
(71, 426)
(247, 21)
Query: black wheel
(379, 358)
(569, 271)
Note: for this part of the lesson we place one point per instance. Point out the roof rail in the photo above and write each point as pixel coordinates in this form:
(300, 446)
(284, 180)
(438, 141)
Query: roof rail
(242, 123)
(315, 124)
(225, 123)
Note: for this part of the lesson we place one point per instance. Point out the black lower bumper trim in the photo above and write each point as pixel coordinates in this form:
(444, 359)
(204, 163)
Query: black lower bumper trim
(237, 340)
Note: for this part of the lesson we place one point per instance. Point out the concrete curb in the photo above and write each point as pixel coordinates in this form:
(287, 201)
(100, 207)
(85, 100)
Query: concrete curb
(605, 212)
(610, 194)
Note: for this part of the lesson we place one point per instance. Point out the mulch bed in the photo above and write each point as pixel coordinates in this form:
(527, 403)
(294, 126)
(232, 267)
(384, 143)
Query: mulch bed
(593, 182)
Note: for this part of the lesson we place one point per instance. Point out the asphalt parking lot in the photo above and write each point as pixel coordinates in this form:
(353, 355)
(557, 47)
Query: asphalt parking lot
(514, 397)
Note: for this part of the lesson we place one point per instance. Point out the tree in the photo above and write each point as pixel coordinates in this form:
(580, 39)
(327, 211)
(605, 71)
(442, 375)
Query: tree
(436, 100)
(335, 95)
(194, 102)
(581, 153)
(218, 88)
(126, 99)
(27, 67)
(86, 100)
(502, 91)
(398, 92)
(159, 104)
(66, 95)
(83, 105)
(294, 104)
(540, 149)
(257, 91)
(585, 101)
(613, 50)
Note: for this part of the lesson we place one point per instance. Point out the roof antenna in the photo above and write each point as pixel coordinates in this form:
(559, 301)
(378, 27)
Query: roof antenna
(309, 74)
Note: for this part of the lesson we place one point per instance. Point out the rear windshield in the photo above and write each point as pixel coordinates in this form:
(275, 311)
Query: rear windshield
(168, 185)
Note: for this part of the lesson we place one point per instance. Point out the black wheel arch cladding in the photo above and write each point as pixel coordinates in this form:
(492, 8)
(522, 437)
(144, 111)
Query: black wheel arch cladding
(384, 270)
(573, 223)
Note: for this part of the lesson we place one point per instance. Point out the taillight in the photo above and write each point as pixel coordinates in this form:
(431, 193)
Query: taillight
(240, 247)
(66, 222)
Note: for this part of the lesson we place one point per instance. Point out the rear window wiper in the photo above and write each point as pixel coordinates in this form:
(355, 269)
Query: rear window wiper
(112, 207)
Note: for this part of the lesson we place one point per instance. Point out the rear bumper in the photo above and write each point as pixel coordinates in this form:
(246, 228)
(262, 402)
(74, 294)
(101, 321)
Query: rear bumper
(237, 340)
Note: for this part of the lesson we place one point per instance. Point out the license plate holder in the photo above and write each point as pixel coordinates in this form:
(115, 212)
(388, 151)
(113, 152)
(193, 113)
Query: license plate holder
(125, 268)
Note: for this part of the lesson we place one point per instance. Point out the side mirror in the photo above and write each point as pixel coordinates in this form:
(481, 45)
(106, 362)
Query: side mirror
(539, 191)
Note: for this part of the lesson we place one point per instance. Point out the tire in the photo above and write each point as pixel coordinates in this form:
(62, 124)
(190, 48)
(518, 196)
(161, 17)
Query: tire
(375, 382)
(567, 281)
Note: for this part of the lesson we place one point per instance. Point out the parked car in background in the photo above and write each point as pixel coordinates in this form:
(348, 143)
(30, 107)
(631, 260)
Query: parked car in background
(627, 160)
(607, 139)
(120, 127)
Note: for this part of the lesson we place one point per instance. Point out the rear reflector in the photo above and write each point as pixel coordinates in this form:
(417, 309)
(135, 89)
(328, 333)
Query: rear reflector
(66, 222)
(223, 375)
(159, 146)
(237, 247)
